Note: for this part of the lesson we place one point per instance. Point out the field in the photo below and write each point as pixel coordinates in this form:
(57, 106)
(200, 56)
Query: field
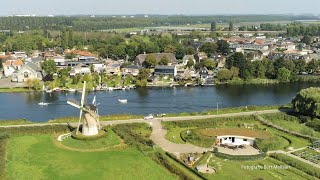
(227, 169)
(36, 157)
(202, 133)
(291, 123)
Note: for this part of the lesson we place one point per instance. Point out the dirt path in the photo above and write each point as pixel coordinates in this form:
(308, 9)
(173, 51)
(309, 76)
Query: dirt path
(158, 137)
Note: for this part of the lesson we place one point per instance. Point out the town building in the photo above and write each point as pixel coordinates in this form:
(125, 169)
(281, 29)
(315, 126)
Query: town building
(11, 66)
(27, 71)
(165, 70)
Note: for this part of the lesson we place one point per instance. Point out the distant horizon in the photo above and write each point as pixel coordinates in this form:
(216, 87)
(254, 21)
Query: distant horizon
(163, 7)
(143, 14)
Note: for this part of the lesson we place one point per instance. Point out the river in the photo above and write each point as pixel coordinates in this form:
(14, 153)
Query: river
(148, 100)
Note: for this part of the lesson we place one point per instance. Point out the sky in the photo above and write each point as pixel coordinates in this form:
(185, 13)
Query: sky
(186, 7)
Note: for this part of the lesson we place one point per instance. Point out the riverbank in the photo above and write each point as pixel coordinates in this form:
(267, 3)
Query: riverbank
(119, 117)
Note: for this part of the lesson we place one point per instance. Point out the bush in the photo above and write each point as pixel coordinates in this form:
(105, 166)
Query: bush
(34, 130)
(101, 134)
(128, 132)
(309, 169)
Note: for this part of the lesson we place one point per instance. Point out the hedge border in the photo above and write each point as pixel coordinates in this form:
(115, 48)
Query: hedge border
(239, 157)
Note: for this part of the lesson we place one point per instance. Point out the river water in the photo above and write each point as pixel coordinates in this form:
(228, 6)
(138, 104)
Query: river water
(148, 100)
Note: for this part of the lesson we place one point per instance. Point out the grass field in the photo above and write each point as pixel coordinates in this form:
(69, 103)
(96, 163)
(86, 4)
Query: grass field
(291, 123)
(36, 157)
(235, 170)
(271, 139)
(13, 90)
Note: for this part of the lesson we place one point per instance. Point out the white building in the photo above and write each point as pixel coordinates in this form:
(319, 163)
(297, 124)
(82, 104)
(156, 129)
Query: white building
(11, 66)
(235, 140)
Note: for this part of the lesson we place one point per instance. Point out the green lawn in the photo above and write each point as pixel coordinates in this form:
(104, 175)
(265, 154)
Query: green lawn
(9, 90)
(277, 140)
(291, 123)
(110, 140)
(14, 122)
(235, 170)
(173, 135)
(36, 157)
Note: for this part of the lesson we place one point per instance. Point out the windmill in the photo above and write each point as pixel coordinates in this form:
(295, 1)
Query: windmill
(90, 124)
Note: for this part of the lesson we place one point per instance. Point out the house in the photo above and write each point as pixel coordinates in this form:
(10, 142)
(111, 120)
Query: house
(235, 140)
(186, 58)
(204, 73)
(113, 68)
(132, 69)
(27, 71)
(11, 66)
(81, 69)
(99, 67)
(189, 73)
(19, 55)
(248, 46)
(200, 56)
(87, 58)
(165, 70)
(139, 61)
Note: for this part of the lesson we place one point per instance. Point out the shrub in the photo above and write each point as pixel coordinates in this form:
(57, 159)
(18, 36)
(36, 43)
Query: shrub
(101, 134)
(128, 132)
(33, 130)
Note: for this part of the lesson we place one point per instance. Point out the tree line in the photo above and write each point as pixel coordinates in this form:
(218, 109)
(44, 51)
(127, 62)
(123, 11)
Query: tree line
(240, 66)
(82, 23)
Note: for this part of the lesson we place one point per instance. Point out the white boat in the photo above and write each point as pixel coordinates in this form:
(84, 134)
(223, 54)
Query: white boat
(110, 89)
(150, 116)
(48, 91)
(72, 90)
(123, 100)
(43, 104)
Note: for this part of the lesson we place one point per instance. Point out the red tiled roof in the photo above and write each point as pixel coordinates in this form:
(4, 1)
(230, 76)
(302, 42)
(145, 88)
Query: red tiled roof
(15, 62)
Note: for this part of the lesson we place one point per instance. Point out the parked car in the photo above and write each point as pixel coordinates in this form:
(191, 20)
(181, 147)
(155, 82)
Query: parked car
(150, 116)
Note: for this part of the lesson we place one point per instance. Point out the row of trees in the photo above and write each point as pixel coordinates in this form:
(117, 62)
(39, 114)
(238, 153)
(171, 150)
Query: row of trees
(238, 65)
(101, 23)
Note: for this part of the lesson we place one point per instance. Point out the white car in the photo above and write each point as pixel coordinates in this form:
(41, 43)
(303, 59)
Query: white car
(150, 116)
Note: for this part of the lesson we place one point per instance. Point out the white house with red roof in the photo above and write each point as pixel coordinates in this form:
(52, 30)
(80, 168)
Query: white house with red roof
(10, 66)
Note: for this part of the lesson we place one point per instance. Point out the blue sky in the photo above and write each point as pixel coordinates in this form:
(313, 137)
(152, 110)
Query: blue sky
(106, 7)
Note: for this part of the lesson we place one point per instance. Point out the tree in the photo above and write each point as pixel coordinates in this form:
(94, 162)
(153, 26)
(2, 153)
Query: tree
(209, 64)
(208, 48)
(231, 27)
(239, 60)
(214, 26)
(29, 83)
(306, 39)
(224, 75)
(164, 60)
(235, 72)
(142, 77)
(189, 50)
(313, 66)
(259, 70)
(300, 65)
(283, 74)
(223, 47)
(49, 66)
(36, 84)
(307, 102)
(150, 61)
(190, 63)
(170, 49)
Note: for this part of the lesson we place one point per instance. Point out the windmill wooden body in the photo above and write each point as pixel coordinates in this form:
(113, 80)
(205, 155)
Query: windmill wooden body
(90, 122)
